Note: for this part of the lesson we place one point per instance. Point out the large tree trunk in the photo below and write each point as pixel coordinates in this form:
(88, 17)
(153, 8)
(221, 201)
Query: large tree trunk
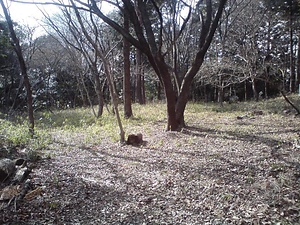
(23, 68)
(172, 125)
(185, 89)
(151, 44)
(126, 75)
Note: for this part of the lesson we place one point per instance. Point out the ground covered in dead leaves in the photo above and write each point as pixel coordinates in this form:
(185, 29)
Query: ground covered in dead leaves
(219, 170)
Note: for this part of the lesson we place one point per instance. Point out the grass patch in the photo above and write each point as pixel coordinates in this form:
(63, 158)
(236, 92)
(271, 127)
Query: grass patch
(81, 122)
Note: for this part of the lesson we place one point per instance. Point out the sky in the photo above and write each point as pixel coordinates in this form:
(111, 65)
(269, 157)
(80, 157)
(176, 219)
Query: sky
(30, 14)
(27, 13)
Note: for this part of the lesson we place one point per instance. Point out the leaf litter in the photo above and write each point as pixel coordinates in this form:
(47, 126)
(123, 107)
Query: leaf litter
(233, 171)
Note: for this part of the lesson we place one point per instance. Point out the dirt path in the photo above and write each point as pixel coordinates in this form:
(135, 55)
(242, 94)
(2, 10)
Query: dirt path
(236, 171)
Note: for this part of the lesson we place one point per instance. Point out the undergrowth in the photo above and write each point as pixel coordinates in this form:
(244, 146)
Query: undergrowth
(81, 121)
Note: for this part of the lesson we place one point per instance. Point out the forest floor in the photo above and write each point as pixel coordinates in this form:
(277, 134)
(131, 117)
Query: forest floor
(223, 168)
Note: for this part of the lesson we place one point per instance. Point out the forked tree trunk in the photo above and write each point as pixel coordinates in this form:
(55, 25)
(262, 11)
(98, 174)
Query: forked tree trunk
(185, 89)
(152, 46)
(18, 50)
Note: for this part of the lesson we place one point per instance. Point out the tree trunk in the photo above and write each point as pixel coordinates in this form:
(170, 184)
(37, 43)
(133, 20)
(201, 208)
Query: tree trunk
(113, 95)
(152, 45)
(266, 90)
(80, 86)
(221, 95)
(143, 87)
(23, 68)
(87, 94)
(98, 90)
(126, 75)
(158, 88)
(172, 124)
(298, 64)
(292, 67)
(185, 89)
(245, 90)
(254, 90)
(138, 87)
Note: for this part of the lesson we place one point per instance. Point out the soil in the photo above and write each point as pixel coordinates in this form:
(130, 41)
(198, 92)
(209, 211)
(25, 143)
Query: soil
(233, 170)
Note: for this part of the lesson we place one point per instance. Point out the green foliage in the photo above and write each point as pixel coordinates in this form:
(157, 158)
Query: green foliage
(272, 106)
(17, 134)
(79, 126)
(69, 119)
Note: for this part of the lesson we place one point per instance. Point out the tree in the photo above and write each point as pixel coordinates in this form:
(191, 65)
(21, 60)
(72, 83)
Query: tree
(152, 44)
(101, 52)
(70, 32)
(18, 50)
(126, 75)
(9, 69)
(290, 10)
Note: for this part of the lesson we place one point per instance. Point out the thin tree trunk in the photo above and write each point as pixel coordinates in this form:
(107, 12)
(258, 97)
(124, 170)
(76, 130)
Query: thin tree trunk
(221, 95)
(143, 88)
(18, 50)
(245, 90)
(254, 90)
(292, 67)
(138, 87)
(81, 91)
(87, 95)
(114, 96)
(297, 79)
(98, 90)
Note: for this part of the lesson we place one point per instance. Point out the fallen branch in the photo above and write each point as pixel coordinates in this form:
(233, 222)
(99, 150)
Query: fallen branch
(291, 103)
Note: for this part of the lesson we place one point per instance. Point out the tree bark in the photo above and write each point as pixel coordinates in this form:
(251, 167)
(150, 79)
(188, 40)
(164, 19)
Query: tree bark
(297, 79)
(254, 89)
(126, 75)
(138, 86)
(98, 89)
(113, 95)
(292, 66)
(18, 50)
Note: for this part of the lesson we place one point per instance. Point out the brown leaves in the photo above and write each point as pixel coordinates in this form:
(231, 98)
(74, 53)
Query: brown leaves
(218, 171)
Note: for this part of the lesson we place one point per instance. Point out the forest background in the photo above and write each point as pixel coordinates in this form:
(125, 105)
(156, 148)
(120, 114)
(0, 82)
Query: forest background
(146, 51)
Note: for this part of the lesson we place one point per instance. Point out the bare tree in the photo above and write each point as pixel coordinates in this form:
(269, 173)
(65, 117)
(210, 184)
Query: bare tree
(147, 35)
(151, 43)
(100, 51)
(18, 50)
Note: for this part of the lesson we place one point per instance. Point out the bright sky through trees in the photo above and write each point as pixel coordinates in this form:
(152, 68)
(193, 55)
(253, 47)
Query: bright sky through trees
(28, 13)
(31, 14)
